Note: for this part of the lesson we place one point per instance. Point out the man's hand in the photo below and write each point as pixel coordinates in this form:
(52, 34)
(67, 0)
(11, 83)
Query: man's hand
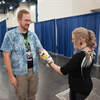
(13, 80)
(49, 62)
(45, 55)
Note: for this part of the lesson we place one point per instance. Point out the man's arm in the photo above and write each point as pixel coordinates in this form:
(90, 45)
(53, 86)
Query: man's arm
(7, 61)
(41, 50)
(45, 56)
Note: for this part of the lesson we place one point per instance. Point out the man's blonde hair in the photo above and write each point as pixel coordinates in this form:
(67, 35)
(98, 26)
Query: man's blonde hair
(21, 12)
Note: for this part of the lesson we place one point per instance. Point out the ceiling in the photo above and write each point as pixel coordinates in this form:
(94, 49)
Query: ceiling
(11, 5)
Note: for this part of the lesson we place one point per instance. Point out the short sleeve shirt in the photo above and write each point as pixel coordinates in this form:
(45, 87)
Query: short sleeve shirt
(14, 43)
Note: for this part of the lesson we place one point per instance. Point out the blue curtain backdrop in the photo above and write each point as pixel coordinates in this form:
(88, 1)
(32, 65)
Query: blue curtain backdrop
(46, 33)
(2, 32)
(38, 30)
(63, 36)
(11, 28)
(65, 26)
(93, 23)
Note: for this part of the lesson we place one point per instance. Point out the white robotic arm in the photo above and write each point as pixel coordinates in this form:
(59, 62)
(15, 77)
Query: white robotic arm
(45, 56)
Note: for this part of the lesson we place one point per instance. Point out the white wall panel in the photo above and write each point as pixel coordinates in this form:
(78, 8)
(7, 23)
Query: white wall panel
(51, 9)
(81, 7)
(95, 5)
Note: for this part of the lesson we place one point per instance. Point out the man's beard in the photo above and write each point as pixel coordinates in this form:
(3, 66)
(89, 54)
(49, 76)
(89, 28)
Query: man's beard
(25, 28)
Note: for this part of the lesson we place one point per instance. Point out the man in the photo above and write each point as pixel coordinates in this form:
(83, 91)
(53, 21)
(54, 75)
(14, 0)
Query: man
(19, 49)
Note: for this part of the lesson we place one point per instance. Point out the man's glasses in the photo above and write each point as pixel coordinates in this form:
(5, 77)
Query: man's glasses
(28, 21)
